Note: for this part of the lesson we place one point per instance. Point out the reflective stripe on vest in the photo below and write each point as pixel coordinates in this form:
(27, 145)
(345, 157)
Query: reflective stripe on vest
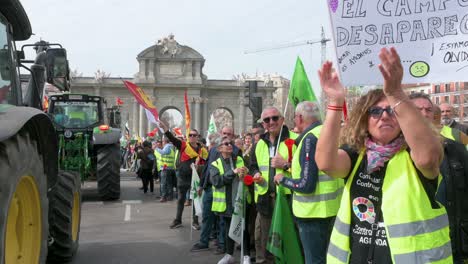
(168, 160)
(416, 232)
(219, 194)
(262, 153)
(325, 200)
(158, 159)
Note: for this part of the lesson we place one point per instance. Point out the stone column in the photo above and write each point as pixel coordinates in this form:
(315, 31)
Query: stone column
(205, 116)
(135, 117)
(197, 113)
(142, 71)
(143, 121)
(97, 90)
(151, 70)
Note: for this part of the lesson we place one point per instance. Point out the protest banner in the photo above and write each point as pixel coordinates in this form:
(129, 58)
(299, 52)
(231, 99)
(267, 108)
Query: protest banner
(431, 37)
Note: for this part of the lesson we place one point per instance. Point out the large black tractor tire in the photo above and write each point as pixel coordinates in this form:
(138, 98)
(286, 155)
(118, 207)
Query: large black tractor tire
(64, 221)
(108, 171)
(23, 202)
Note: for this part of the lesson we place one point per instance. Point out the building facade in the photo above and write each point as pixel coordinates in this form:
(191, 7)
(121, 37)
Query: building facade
(166, 71)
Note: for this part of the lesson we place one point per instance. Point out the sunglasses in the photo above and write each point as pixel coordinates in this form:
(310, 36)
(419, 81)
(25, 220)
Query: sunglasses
(193, 135)
(273, 118)
(227, 144)
(376, 111)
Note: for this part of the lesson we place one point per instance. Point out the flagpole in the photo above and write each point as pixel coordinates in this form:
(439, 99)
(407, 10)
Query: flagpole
(191, 216)
(281, 130)
(243, 223)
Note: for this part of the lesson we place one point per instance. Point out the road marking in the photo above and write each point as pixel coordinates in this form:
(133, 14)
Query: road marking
(127, 213)
(93, 203)
(131, 202)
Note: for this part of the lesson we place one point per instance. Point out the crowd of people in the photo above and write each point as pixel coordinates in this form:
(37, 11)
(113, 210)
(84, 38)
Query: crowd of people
(387, 185)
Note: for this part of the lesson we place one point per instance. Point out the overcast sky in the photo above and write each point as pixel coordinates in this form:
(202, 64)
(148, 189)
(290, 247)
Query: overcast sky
(108, 34)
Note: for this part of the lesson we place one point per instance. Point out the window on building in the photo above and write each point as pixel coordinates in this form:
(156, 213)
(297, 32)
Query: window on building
(457, 86)
(465, 112)
(456, 99)
(465, 99)
(446, 99)
(437, 100)
(421, 91)
(437, 88)
(412, 92)
(447, 87)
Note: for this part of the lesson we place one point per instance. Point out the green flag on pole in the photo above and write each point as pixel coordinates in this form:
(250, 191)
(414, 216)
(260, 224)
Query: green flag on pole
(301, 89)
(283, 240)
(212, 126)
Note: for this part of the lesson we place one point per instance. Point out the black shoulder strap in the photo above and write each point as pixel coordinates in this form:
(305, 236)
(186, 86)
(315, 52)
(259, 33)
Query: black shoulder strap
(375, 228)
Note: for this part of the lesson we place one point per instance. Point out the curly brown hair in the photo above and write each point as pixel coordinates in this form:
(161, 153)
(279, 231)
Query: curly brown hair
(355, 131)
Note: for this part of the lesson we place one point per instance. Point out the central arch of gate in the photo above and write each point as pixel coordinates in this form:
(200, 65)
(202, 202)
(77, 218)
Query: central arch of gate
(166, 71)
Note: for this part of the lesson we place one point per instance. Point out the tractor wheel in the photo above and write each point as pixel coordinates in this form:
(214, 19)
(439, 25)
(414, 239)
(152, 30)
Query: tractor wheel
(23, 202)
(65, 204)
(108, 171)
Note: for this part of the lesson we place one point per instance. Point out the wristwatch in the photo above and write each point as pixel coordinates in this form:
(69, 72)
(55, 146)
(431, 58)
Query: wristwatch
(286, 166)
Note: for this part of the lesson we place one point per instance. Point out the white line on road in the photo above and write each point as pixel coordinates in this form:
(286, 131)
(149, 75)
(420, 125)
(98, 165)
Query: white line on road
(127, 212)
(93, 203)
(131, 202)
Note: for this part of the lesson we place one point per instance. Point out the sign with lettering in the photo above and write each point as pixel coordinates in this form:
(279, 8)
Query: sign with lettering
(431, 37)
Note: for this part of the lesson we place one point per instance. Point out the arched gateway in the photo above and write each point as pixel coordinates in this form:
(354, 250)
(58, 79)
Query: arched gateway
(166, 70)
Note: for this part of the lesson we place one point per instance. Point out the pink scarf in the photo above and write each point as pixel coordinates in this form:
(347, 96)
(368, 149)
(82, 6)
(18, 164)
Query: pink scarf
(377, 155)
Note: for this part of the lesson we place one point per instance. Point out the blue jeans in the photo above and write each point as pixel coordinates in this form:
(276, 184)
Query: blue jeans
(208, 217)
(167, 188)
(315, 236)
(221, 232)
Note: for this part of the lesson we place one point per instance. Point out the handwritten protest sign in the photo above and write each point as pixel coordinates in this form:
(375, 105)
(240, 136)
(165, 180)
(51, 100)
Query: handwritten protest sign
(431, 37)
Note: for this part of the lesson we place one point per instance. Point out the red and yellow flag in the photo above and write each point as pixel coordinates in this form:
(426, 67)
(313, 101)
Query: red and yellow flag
(143, 100)
(118, 101)
(187, 115)
(45, 104)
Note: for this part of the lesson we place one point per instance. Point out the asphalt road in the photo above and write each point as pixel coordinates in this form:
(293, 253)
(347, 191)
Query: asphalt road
(135, 229)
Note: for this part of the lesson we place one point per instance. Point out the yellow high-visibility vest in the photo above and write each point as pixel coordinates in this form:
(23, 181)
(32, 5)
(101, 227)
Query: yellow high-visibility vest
(262, 153)
(325, 200)
(416, 232)
(219, 194)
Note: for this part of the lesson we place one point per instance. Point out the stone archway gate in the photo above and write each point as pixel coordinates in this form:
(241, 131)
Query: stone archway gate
(166, 71)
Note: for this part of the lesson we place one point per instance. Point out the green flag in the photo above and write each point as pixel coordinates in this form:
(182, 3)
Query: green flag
(300, 89)
(212, 126)
(283, 240)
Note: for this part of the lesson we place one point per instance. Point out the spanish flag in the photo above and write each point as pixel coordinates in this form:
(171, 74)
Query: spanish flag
(187, 115)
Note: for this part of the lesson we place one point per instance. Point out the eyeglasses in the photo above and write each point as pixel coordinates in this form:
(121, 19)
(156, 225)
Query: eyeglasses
(273, 118)
(193, 135)
(227, 144)
(376, 111)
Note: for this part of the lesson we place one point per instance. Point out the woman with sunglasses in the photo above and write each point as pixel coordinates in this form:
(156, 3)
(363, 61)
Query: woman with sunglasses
(390, 160)
(226, 173)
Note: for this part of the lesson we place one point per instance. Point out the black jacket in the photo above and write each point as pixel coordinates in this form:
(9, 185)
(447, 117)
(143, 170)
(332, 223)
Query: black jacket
(453, 193)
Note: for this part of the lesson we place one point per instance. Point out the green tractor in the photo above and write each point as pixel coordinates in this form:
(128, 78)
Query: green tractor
(40, 205)
(89, 135)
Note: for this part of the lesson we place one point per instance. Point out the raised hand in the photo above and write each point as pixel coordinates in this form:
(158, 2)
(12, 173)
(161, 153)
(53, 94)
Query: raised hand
(391, 70)
(163, 126)
(331, 84)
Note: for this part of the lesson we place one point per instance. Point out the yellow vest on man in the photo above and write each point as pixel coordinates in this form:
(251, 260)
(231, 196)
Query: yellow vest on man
(168, 160)
(158, 160)
(262, 153)
(416, 232)
(219, 194)
(325, 200)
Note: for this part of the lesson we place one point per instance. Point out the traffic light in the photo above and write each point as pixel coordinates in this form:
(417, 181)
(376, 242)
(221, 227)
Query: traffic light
(255, 100)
